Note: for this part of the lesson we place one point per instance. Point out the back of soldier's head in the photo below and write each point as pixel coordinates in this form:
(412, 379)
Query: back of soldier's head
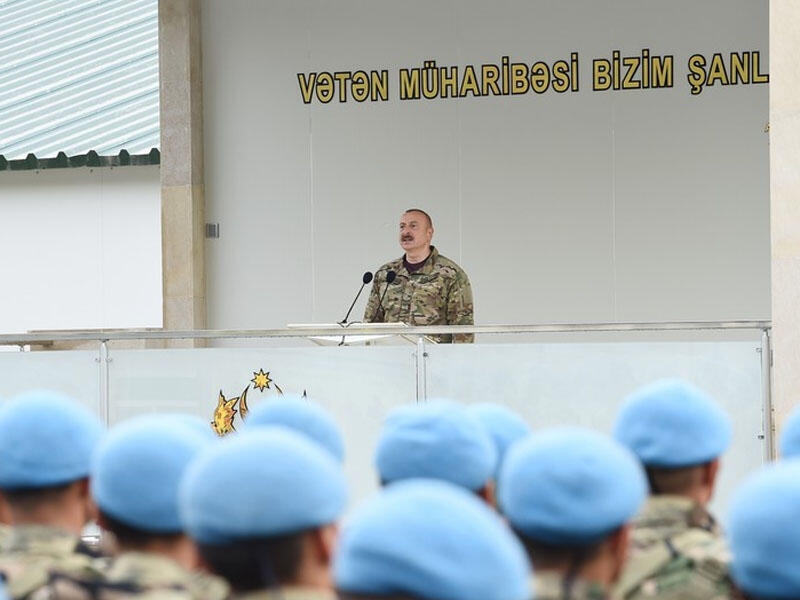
(252, 499)
(674, 428)
(435, 440)
(504, 426)
(46, 442)
(136, 471)
(429, 540)
(764, 533)
(566, 489)
(303, 416)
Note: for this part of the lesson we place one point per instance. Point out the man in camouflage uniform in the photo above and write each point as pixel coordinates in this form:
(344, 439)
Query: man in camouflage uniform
(135, 475)
(429, 289)
(262, 507)
(569, 494)
(677, 550)
(45, 445)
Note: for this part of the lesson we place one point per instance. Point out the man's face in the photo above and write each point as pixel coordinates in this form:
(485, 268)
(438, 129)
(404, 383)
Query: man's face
(416, 232)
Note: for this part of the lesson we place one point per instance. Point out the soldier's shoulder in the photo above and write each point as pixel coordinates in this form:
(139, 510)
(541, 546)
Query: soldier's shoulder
(205, 586)
(25, 574)
(450, 268)
(692, 565)
(682, 579)
(74, 586)
(708, 551)
(392, 265)
(5, 531)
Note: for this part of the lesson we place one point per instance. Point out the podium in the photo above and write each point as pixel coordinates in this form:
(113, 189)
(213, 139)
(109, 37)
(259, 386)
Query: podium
(393, 334)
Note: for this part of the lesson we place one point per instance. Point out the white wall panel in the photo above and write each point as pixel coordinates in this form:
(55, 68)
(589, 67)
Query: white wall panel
(80, 249)
(583, 206)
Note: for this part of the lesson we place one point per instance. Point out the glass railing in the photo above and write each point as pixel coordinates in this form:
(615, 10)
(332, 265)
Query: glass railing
(550, 374)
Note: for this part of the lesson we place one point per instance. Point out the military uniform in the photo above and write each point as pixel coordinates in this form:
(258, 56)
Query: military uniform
(31, 552)
(550, 585)
(437, 294)
(676, 551)
(135, 574)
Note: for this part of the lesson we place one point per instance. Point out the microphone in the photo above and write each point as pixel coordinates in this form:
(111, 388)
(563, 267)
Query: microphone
(364, 281)
(390, 277)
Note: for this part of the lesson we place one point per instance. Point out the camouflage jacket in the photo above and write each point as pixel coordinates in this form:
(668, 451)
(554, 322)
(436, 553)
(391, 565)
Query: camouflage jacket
(438, 294)
(549, 585)
(135, 574)
(677, 551)
(287, 593)
(30, 552)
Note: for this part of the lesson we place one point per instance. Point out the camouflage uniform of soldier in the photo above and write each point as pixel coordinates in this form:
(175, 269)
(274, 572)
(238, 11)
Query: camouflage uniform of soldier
(31, 552)
(134, 574)
(677, 550)
(438, 294)
(429, 289)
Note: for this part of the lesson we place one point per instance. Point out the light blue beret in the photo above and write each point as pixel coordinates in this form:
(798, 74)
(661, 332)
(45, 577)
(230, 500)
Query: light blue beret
(671, 423)
(195, 423)
(570, 486)
(137, 468)
(437, 440)
(790, 436)
(764, 532)
(503, 425)
(261, 483)
(303, 416)
(46, 439)
(430, 539)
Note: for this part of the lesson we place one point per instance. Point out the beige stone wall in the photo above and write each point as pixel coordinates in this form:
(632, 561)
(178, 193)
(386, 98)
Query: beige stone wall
(784, 108)
(182, 179)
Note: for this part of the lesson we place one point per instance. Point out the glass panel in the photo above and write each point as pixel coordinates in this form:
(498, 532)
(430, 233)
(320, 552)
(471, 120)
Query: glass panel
(584, 383)
(75, 373)
(359, 385)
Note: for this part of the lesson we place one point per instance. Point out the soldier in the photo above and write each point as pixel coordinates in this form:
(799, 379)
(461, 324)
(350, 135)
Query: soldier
(46, 440)
(569, 494)
(303, 416)
(677, 551)
(263, 507)
(428, 289)
(135, 474)
(437, 440)
(503, 425)
(429, 540)
(765, 533)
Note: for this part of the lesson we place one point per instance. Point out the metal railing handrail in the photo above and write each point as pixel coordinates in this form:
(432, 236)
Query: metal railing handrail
(105, 335)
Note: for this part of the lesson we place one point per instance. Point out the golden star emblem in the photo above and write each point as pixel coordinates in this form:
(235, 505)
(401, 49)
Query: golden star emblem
(261, 380)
